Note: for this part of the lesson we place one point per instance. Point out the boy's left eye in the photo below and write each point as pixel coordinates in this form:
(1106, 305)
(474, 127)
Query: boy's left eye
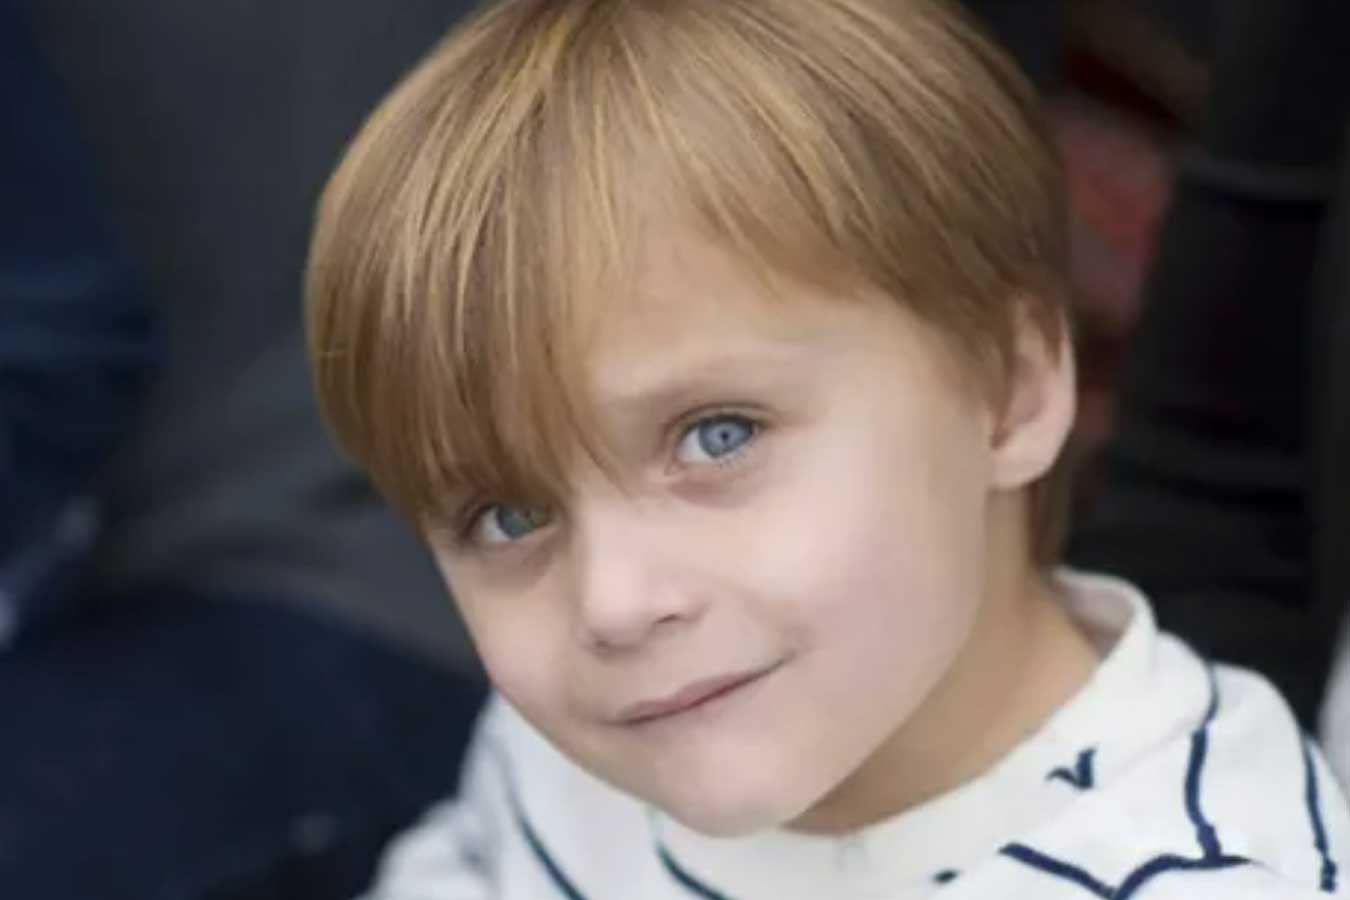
(715, 438)
(504, 523)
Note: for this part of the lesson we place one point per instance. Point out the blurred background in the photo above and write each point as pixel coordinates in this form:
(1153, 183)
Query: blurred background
(227, 672)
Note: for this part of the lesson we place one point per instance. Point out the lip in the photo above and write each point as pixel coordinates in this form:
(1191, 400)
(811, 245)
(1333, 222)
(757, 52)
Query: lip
(690, 697)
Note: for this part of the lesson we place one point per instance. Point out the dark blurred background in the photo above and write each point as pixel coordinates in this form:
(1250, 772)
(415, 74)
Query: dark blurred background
(227, 671)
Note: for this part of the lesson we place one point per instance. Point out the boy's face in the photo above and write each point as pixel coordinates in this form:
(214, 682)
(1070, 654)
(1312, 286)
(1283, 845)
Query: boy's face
(789, 562)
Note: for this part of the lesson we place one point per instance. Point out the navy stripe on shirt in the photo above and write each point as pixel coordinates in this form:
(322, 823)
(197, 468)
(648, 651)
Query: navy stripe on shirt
(555, 872)
(550, 865)
(1081, 775)
(1205, 834)
(694, 885)
(1058, 869)
(1163, 864)
(1327, 881)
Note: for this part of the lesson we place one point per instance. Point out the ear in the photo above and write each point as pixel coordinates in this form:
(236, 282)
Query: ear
(1039, 405)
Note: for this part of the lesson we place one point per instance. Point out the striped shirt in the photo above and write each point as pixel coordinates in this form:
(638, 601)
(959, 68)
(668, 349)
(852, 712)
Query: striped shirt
(1164, 777)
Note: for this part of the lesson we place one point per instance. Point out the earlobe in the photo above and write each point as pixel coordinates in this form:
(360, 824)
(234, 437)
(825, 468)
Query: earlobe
(1039, 405)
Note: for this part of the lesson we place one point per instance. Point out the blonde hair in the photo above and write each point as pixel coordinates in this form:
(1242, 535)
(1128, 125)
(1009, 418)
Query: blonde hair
(495, 195)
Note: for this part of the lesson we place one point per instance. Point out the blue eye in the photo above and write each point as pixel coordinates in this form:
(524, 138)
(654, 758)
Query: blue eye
(503, 523)
(715, 438)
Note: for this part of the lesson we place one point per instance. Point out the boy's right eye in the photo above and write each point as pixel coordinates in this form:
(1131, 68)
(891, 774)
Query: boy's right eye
(504, 523)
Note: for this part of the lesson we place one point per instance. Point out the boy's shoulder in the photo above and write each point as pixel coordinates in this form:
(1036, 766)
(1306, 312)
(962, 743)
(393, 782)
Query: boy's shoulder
(1194, 778)
(1239, 804)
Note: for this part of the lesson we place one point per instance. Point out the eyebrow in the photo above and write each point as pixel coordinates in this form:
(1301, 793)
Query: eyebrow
(685, 378)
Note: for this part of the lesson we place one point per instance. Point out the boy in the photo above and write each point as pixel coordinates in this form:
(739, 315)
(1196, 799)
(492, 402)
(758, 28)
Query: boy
(718, 350)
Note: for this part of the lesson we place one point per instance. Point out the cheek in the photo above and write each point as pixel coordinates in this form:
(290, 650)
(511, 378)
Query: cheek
(521, 644)
(875, 553)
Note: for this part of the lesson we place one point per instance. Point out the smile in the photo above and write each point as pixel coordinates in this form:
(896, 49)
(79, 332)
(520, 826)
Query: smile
(691, 697)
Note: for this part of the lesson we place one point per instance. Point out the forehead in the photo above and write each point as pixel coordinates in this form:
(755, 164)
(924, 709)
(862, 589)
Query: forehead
(698, 310)
(694, 303)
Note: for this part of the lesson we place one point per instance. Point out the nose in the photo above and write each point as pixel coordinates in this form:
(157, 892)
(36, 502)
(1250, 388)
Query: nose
(627, 582)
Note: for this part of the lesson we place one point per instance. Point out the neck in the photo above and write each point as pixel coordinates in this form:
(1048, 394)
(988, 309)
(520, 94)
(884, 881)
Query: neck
(1022, 661)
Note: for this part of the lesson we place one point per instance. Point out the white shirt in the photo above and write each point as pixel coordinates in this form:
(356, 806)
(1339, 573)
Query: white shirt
(1164, 777)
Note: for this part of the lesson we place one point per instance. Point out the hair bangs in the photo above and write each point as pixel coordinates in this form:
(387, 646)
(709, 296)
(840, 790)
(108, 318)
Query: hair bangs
(495, 204)
(453, 292)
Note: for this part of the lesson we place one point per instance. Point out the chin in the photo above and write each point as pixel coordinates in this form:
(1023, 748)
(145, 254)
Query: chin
(726, 808)
(724, 821)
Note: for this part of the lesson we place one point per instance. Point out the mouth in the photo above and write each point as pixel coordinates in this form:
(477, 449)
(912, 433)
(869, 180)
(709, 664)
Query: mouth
(697, 695)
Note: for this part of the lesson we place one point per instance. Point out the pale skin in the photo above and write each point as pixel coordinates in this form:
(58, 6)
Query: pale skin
(810, 493)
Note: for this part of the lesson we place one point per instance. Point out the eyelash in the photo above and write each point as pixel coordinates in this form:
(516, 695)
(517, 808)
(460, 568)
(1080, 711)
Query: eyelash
(465, 520)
